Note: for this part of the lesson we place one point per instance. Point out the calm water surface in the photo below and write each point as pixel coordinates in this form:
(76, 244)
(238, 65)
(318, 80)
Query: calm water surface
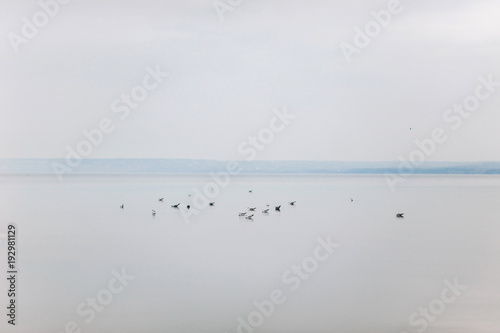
(202, 275)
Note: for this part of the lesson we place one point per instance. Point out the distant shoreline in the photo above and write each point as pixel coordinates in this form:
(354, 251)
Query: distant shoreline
(201, 167)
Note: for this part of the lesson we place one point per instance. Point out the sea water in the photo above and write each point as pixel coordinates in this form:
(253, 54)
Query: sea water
(208, 270)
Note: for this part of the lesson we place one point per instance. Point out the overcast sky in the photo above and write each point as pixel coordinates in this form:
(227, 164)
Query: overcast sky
(227, 76)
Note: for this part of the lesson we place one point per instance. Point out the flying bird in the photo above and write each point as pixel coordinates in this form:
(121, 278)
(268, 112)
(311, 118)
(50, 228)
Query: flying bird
(400, 215)
(278, 208)
(175, 206)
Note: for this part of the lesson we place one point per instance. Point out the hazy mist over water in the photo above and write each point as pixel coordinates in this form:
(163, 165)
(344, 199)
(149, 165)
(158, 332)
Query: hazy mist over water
(201, 276)
(356, 111)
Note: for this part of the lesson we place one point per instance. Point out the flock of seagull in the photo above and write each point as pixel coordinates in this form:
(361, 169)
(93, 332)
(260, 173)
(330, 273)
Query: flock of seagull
(246, 214)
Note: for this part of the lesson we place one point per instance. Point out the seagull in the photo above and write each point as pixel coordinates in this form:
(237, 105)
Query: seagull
(175, 206)
(265, 211)
(242, 214)
(153, 212)
(277, 208)
(122, 206)
(161, 199)
(400, 215)
(252, 208)
(212, 203)
(292, 203)
(249, 217)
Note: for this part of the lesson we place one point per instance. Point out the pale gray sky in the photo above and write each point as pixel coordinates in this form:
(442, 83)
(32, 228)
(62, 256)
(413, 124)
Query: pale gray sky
(226, 77)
